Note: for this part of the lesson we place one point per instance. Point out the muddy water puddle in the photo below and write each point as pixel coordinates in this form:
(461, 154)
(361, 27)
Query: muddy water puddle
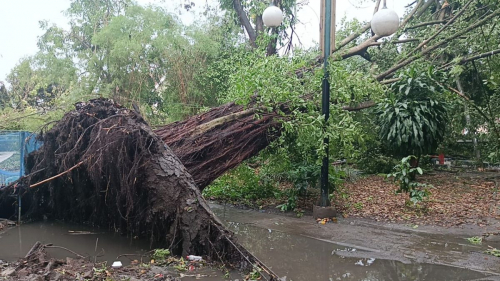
(303, 259)
(297, 257)
(104, 246)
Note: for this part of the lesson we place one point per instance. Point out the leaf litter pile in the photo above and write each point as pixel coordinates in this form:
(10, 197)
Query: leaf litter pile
(455, 199)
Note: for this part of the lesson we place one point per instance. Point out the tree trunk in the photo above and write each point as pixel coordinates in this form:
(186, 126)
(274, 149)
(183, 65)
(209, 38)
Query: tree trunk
(211, 143)
(109, 169)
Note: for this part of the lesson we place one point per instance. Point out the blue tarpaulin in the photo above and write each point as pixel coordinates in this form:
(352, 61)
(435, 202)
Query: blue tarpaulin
(14, 146)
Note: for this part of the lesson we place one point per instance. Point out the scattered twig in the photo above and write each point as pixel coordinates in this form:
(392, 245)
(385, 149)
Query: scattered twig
(34, 248)
(63, 248)
(58, 175)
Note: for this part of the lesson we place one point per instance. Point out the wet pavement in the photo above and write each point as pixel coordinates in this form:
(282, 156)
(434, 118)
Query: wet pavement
(297, 248)
(301, 258)
(283, 244)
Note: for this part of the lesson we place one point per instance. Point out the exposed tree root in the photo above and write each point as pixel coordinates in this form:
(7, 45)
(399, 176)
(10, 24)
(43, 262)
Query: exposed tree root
(128, 180)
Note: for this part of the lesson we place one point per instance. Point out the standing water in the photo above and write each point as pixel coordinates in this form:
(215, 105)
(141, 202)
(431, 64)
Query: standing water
(297, 257)
(301, 258)
(102, 245)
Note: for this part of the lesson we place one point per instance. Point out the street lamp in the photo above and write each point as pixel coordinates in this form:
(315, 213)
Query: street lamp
(324, 200)
(272, 16)
(385, 22)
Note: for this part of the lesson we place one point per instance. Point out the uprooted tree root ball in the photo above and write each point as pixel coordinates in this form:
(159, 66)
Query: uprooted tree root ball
(102, 164)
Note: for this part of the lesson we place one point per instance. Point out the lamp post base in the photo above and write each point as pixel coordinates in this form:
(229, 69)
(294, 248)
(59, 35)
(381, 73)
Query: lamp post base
(324, 212)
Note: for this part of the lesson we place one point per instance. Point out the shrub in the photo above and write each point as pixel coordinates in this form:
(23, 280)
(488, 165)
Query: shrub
(242, 183)
(403, 176)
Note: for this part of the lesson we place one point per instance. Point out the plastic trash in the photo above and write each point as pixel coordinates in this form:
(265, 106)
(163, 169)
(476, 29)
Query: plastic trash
(116, 264)
(194, 258)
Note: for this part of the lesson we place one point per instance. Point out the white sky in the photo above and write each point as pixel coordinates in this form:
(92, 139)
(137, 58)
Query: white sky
(19, 28)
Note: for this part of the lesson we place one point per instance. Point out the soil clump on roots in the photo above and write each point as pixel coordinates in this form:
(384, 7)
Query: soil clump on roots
(102, 164)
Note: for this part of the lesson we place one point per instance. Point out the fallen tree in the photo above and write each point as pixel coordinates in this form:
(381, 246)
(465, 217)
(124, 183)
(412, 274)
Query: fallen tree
(102, 164)
(211, 143)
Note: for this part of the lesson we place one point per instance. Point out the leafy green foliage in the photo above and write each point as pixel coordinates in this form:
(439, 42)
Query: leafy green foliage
(413, 121)
(243, 183)
(493, 251)
(160, 255)
(403, 176)
(476, 240)
(127, 52)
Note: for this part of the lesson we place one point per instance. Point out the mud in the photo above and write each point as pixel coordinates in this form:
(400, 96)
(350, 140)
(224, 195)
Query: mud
(354, 249)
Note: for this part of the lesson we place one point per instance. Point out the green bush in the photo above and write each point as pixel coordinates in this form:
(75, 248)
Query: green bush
(373, 161)
(404, 176)
(242, 183)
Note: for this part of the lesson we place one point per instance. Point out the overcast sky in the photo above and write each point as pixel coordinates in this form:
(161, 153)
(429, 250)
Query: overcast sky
(19, 28)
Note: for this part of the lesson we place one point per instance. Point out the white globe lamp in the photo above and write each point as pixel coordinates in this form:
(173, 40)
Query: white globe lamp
(272, 16)
(385, 22)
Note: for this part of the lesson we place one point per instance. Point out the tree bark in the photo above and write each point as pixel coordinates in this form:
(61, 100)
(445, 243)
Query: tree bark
(123, 177)
(211, 143)
(245, 22)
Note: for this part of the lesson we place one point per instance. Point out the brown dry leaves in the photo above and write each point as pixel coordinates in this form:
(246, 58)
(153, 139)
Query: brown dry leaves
(455, 199)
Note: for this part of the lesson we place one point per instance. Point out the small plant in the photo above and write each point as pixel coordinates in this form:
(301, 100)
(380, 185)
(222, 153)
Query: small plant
(404, 174)
(476, 240)
(254, 275)
(291, 203)
(99, 270)
(358, 206)
(493, 251)
(160, 255)
(299, 213)
(243, 184)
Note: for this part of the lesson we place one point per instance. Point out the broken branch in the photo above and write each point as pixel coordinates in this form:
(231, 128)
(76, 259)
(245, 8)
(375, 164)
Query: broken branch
(58, 175)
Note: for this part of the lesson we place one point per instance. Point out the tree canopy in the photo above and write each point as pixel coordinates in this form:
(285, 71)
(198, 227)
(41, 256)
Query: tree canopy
(145, 55)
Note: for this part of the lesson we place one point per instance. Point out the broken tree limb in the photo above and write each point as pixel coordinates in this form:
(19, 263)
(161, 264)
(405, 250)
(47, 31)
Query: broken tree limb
(56, 176)
(434, 22)
(448, 23)
(428, 50)
(358, 33)
(361, 106)
(222, 120)
(37, 246)
(471, 58)
(410, 15)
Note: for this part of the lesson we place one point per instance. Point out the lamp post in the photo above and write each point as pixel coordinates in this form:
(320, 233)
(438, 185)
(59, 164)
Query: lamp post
(325, 102)
(385, 22)
(272, 16)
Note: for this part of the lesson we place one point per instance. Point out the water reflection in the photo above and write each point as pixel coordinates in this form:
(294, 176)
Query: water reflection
(301, 258)
(16, 242)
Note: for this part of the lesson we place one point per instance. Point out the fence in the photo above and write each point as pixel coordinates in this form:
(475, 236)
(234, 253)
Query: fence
(14, 145)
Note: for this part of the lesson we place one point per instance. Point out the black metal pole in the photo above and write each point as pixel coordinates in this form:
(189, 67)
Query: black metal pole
(325, 103)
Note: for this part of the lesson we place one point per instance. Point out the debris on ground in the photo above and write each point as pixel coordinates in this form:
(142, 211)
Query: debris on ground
(326, 220)
(454, 200)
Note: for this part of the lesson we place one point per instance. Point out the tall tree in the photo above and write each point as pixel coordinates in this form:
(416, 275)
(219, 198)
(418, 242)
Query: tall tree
(248, 14)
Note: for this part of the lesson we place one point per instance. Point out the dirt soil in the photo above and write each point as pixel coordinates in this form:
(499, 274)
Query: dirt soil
(455, 199)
